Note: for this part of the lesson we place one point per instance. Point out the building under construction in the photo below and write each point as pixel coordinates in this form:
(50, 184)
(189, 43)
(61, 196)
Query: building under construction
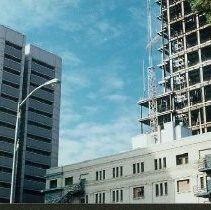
(186, 69)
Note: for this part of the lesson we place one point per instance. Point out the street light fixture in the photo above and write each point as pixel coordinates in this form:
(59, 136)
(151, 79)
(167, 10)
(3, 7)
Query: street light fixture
(16, 140)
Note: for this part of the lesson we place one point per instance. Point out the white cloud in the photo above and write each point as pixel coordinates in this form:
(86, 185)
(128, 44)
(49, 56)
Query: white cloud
(110, 84)
(117, 98)
(70, 59)
(89, 140)
(24, 14)
(91, 109)
(72, 81)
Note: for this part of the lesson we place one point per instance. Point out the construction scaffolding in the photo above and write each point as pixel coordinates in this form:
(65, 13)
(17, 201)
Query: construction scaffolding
(186, 69)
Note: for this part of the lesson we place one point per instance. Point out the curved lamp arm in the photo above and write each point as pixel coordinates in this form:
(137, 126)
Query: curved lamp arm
(50, 82)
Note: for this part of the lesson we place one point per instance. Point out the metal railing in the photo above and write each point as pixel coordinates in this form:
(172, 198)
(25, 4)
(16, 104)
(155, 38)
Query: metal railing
(65, 194)
(203, 191)
(205, 163)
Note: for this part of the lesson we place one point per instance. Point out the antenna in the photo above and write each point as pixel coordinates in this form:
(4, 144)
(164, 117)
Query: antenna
(151, 75)
(143, 80)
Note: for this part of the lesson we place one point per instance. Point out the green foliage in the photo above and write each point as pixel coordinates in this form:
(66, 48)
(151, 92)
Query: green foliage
(202, 7)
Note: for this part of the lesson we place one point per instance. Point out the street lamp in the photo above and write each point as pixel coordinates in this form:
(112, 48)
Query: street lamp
(16, 140)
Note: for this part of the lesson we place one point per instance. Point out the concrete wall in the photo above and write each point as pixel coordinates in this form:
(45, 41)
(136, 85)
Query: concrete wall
(149, 178)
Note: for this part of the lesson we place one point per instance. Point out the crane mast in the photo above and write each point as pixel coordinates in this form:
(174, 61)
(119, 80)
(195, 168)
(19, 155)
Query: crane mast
(151, 75)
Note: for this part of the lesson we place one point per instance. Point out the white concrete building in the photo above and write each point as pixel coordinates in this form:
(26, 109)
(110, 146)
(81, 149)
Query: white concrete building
(165, 171)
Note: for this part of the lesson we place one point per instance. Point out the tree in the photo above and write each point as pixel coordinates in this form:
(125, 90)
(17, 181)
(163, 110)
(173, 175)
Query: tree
(202, 7)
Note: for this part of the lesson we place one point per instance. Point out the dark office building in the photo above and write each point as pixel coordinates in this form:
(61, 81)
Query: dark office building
(23, 68)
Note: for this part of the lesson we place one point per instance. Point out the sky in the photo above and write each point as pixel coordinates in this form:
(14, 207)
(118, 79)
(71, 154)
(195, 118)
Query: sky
(102, 44)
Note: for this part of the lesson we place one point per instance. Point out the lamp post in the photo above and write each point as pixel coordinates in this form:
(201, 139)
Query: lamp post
(16, 140)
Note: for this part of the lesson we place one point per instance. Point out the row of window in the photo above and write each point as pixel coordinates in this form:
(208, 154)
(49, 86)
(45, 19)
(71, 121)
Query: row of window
(100, 197)
(161, 189)
(68, 182)
(39, 111)
(38, 151)
(35, 178)
(117, 196)
(12, 58)
(39, 125)
(181, 159)
(137, 167)
(42, 64)
(117, 171)
(100, 175)
(160, 163)
(138, 193)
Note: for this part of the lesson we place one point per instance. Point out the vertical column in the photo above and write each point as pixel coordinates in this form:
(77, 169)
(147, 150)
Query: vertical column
(163, 43)
(170, 51)
(186, 65)
(201, 74)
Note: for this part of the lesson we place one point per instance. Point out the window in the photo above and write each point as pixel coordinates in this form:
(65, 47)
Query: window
(113, 172)
(121, 195)
(183, 185)
(137, 169)
(103, 197)
(100, 175)
(134, 168)
(138, 192)
(166, 188)
(113, 196)
(182, 159)
(53, 183)
(161, 189)
(87, 199)
(142, 166)
(164, 162)
(96, 175)
(34, 178)
(157, 190)
(96, 198)
(68, 181)
(6, 154)
(117, 196)
(100, 197)
(156, 164)
(160, 163)
(117, 171)
(201, 182)
(103, 174)
(82, 200)
(121, 170)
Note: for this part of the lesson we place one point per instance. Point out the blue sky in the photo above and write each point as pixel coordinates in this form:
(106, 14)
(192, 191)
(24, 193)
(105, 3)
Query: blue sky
(102, 44)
